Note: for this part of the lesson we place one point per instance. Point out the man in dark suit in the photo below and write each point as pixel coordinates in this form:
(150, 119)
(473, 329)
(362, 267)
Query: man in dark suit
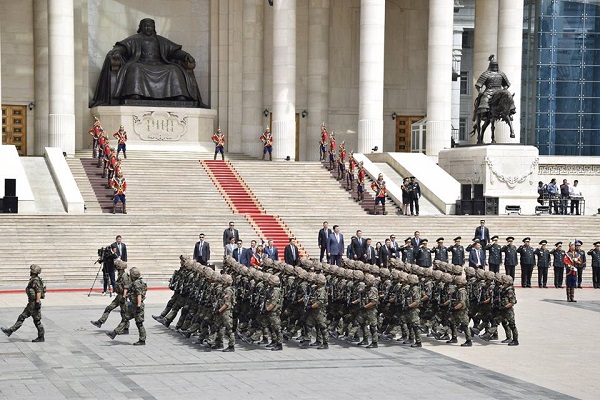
(369, 253)
(483, 234)
(240, 254)
(359, 246)
(335, 247)
(121, 248)
(229, 233)
(385, 253)
(477, 256)
(395, 246)
(290, 253)
(323, 238)
(416, 242)
(271, 251)
(202, 250)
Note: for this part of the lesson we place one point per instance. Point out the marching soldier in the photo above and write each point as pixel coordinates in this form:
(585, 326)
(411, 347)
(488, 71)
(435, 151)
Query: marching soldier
(595, 254)
(510, 256)
(341, 161)
(458, 252)
(122, 282)
(36, 291)
(267, 140)
(136, 294)
(495, 254)
(316, 314)
(543, 263)
(95, 132)
(558, 262)
(380, 191)
(121, 136)
(459, 311)
(360, 185)
(413, 302)
(505, 313)
(119, 185)
(224, 313)
(219, 141)
(273, 310)
(367, 313)
(527, 261)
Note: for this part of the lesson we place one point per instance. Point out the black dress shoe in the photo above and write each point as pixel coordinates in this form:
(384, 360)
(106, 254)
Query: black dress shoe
(97, 324)
(140, 343)
(373, 345)
(514, 342)
(39, 339)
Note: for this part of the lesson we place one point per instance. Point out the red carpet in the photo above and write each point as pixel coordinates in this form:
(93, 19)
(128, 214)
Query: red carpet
(241, 200)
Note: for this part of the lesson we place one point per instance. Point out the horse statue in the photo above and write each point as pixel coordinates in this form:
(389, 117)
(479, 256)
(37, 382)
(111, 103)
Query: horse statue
(494, 103)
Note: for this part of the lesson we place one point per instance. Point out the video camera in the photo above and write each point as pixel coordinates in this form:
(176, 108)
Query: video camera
(103, 254)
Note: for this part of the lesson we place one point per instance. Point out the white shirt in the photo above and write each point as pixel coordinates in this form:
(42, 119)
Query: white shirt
(574, 191)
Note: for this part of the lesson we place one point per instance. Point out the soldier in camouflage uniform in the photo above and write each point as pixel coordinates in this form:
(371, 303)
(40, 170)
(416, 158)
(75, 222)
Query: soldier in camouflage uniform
(122, 282)
(273, 312)
(315, 309)
(505, 313)
(367, 313)
(174, 282)
(459, 311)
(413, 301)
(36, 291)
(136, 294)
(224, 313)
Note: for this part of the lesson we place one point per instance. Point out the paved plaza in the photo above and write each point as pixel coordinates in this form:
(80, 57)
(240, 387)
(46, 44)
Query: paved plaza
(556, 359)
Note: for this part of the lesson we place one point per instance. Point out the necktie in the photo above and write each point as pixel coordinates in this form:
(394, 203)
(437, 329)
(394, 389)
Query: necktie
(478, 257)
(293, 253)
(201, 243)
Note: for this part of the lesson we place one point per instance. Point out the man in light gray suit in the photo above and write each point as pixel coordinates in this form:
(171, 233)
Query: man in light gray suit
(335, 246)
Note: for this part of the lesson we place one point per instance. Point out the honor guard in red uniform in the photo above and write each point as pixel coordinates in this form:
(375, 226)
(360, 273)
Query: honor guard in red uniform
(331, 151)
(323, 142)
(106, 157)
(121, 136)
(267, 140)
(360, 182)
(119, 185)
(341, 161)
(379, 188)
(350, 173)
(101, 143)
(96, 132)
(219, 141)
(112, 163)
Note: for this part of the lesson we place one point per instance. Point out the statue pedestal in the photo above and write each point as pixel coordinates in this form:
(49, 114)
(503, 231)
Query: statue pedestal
(160, 127)
(507, 171)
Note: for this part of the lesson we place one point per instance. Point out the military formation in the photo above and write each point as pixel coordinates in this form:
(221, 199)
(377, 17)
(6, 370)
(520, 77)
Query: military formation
(357, 302)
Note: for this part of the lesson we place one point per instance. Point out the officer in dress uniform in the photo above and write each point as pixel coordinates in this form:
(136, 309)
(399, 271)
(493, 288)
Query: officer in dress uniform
(457, 251)
(267, 140)
(219, 141)
(495, 254)
(527, 261)
(581, 266)
(121, 136)
(510, 256)
(119, 185)
(595, 254)
(543, 263)
(558, 263)
(423, 256)
(439, 251)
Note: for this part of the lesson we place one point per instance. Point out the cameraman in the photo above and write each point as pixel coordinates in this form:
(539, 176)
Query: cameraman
(108, 267)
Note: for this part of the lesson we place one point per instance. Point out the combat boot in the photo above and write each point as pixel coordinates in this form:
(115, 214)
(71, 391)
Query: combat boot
(452, 340)
(40, 339)
(514, 342)
(111, 334)
(217, 346)
(373, 345)
(7, 331)
(270, 344)
(157, 317)
(416, 345)
(315, 344)
(324, 346)
(125, 331)
(362, 343)
(277, 347)
(475, 331)
(468, 343)
(140, 343)
(507, 340)
(495, 336)
(228, 349)
(97, 324)
(486, 337)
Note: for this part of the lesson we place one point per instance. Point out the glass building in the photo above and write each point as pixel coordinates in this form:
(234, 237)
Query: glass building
(561, 76)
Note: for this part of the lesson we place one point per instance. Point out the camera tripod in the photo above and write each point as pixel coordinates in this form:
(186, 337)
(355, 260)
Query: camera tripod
(105, 276)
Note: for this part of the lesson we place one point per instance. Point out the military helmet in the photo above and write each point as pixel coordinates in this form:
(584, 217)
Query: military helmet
(427, 272)
(384, 272)
(326, 267)
(317, 266)
(403, 276)
(446, 277)
(120, 265)
(479, 273)
(413, 279)
(274, 280)
(395, 274)
(489, 275)
(348, 263)
(360, 265)
(311, 277)
(457, 270)
(507, 279)
(267, 262)
(244, 270)
(460, 280)
(289, 269)
(349, 273)
(35, 269)
(374, 269)
(320, 279)
(134, 273)
(437, 274)
(227, 279)
(499, 276)
(265, 276)
(415, 269)
(470, 271)
(359, 275)
(369, 279)
(302, 274)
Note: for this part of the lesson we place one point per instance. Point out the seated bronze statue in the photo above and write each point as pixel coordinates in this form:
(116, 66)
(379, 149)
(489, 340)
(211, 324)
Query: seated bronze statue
(147, 69)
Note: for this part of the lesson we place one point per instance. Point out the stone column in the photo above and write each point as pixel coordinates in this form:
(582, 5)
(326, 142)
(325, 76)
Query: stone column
(318, 74)
(40, 74)
(370, 89)
(252, 77)
(439, 76)
(284, 79)
(61, 72)
(510, 55)
(486, 42)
